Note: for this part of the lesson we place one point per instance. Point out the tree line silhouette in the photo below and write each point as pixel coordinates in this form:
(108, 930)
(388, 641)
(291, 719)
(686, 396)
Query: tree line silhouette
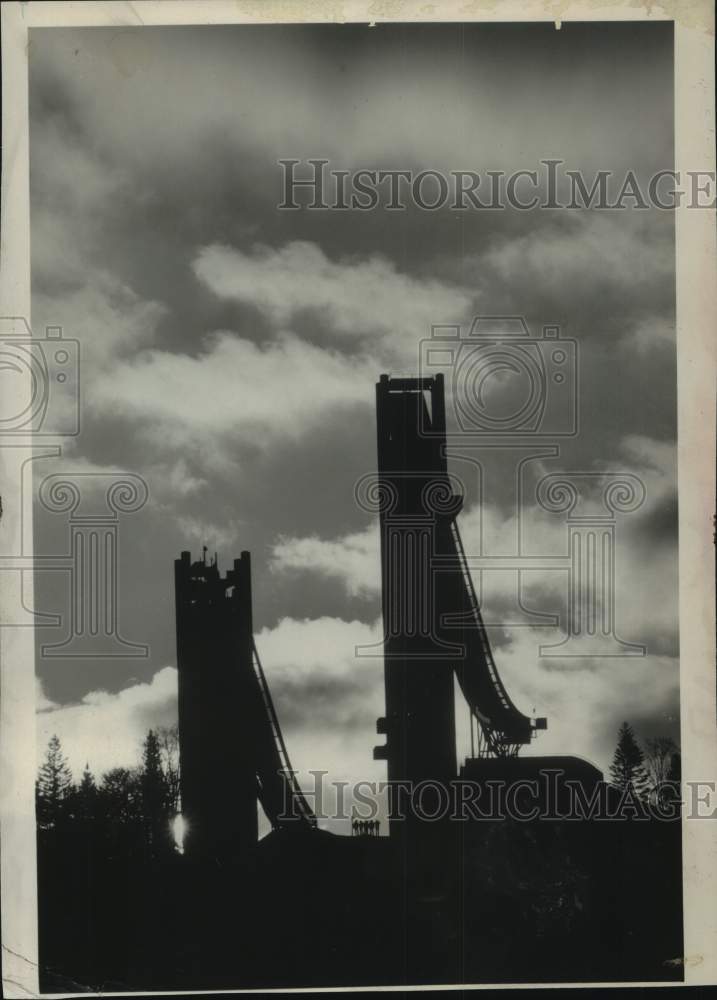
(127, 810)
(137, 806)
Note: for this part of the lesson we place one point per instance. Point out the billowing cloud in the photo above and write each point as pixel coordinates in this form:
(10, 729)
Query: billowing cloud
(236, 388)
(353, 560)
(325, 672)
(105, 316)
(596, 259)
(357, 298)
(106, 730)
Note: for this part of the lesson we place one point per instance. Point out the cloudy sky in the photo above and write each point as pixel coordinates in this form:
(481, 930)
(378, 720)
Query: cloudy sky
(230, 350)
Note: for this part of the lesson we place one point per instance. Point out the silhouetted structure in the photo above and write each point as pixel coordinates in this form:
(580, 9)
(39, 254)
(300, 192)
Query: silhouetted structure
(228, 728)
(420, 721)
(537, 786)
(217, 706)
(432, 621)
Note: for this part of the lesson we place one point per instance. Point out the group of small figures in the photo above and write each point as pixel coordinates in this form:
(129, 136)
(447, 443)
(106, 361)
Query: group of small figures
(365, 827)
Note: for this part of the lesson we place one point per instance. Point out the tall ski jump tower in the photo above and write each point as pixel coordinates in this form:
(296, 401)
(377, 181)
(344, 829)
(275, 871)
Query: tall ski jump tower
(433, 628)
(413, 484)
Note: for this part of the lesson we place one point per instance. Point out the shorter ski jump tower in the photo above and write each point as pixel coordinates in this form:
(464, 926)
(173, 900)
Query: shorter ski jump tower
(232, 751)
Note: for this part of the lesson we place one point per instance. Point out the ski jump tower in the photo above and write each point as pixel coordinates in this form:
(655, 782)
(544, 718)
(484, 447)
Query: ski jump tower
(232, 752)
(433, 629)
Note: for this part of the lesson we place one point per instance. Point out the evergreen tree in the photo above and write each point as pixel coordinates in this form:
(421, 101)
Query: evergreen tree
(87, 785)
(85, 799)
(627, 769)
(53, 787)
(155, 794)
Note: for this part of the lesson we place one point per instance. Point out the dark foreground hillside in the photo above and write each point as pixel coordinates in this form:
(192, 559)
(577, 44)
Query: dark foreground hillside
(484, 902)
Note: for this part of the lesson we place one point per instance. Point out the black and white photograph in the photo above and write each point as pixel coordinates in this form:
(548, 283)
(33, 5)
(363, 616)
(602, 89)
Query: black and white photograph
(357, 454)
